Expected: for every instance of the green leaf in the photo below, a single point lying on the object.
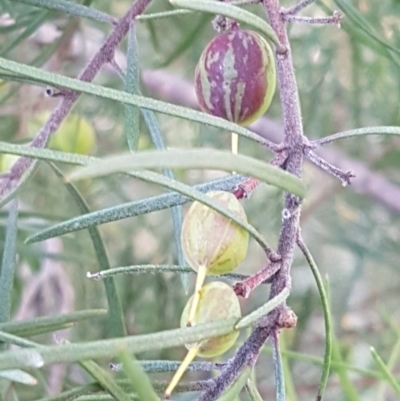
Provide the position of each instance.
(8, 263)
(132, 209)
(385, 371)
(45, 355)
(123, 97)
(327, 317)
(18, 376)
(358, 20)
(283, 178)
(252, 391)
(230, 11)
(132, 116)
(116, 324)
(156, 269)
(29, 30)
(360, 132)
(137, 377)
(195, 159)
(31, 327)
(105, 380)
(70, 7)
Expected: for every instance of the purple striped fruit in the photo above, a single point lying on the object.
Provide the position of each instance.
(236, 77)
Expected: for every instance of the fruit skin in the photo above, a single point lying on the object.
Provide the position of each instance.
(75, 135)
(217, 302)
(211, 240)
(235, 77)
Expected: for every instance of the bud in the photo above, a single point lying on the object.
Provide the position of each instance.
(236, 76)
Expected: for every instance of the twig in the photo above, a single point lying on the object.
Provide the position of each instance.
(343, 176)
(282, 316)
(333, 19)
(298, 7)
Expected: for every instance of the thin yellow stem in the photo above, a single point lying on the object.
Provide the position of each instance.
(181, 370)
(201, 276)
(234, 145)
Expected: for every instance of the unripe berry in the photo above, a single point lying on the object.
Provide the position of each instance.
(217, 301)
(210, 239)
(212, 243)
(236, 77)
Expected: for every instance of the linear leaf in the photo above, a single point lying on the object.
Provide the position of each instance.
(131, 80)
(327, 317)
(30, 327)
(230, 11)
(123, 97)
(385, 371)
(18, 376)
(116, 324)
(390, 130)
(8, 263)
(210, 159)
(138, 378)
(156, 269)
(356, 17)
(49, 354)
(132, 209)
(105, 380)
(72, 8)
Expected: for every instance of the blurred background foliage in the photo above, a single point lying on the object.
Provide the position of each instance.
(347, 79)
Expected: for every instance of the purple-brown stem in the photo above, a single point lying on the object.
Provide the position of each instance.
(294, 141)
(298, 7)
(104, 55)
(333, 19)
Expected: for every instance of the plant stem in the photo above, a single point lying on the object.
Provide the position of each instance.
(282, 316)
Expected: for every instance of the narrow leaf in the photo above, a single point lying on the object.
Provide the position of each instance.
(359, 132)
(8, 263)
(18, 376)
(385, 371)
(123, 97)
(194, 159)
(252, 391)
(152, 269)
(327, 317)
(34, 326)
(230, 11)
(132, 209)
(71, 8)
(137, 377)
(196, 195)
(49, 354)
(280, 394)
(132, 116)
(105, 380)
(116, 324)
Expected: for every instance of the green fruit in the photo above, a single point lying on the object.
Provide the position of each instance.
(235, 77)
(75, 135)
(217, 302)
(211, 240)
